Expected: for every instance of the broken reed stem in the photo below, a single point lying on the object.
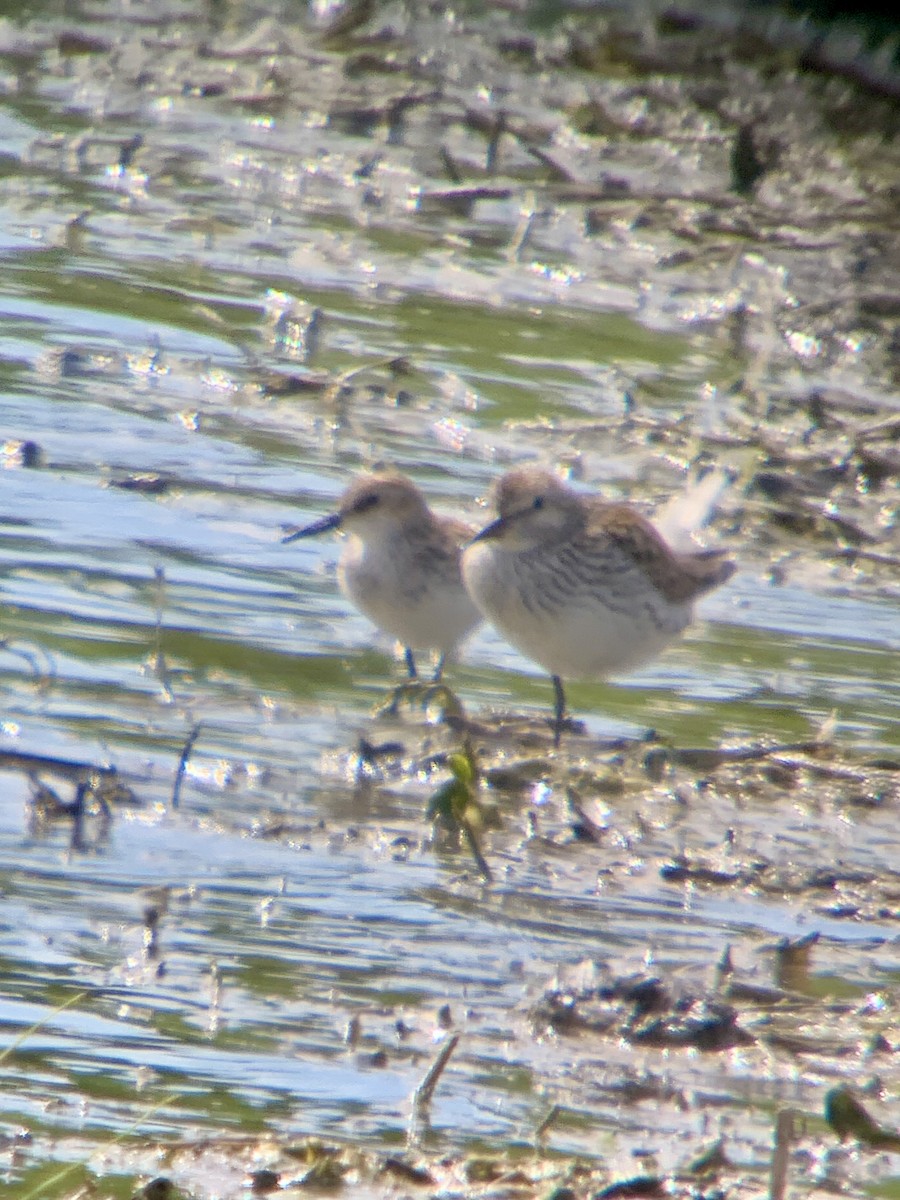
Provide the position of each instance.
(425, 1091)
(523, 230)
(183, 762)
(548, 1120)
(472, 842)
(781, 1153)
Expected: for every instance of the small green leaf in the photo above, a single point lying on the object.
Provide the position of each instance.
(441, 802)
(463, 765)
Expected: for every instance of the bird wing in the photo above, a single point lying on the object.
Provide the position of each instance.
(679, 577)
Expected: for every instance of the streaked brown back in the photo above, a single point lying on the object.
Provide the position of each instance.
(679, 577)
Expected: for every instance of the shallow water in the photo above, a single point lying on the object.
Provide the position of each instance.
(132, 342)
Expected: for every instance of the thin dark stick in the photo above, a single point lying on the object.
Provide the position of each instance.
(781, 1153)
(472, 842)
(77, 810)
(560, 709)
(547, 1122)
(64, 768)
(423, 1094)
(183, 762)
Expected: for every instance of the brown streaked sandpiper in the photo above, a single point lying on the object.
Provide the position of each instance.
(582, 586)
(401, 564)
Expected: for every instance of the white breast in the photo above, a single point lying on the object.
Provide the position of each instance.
(581, 637)
(422, 612)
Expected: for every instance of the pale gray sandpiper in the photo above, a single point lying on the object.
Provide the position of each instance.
(582, 586)
(401, 565)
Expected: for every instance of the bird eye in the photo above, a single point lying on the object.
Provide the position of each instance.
(538, 502)
(369, 500)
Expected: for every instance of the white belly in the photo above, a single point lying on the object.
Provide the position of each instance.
(577, 639)
(421, 614)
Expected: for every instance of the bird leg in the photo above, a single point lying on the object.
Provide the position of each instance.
(410, 690)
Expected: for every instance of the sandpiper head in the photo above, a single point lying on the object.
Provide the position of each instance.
(382, 500)
(533, 507)
(372, 504)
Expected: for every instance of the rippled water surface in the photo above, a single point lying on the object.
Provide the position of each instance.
(219, 950)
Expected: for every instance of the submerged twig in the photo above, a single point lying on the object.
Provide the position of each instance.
(27, 656)
(704, 759)
(50, 764)
(397, 365)
(852, 553)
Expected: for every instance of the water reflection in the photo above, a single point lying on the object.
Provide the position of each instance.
(135, 345)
